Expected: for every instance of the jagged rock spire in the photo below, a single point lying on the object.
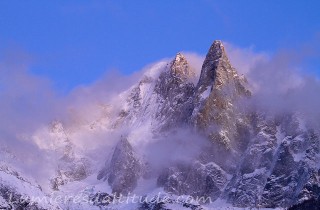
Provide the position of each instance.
(218, 89)
(124, 169)
(180, 67)
(175, 91)
(216, 64)
(216, 51)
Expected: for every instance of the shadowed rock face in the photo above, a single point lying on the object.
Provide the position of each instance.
(276, 170)
(215, 68)
(175, 92)
(165, 101)
(217, 72)
(216, 115)
(312, 204)
(254, 159)
(123, 170)
(218, 93)
(196, 179)
(219, 112)
(211, 107)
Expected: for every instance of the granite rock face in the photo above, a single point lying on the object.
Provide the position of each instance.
(276, 170)
(164, 99)
(247, 156)
(255, 159)
(219, 91)
(124, 169)
(175, 93)
(196, 180)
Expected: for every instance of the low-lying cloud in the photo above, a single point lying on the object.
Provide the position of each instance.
(279, 82)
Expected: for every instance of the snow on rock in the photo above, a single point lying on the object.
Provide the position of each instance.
(124, 170)
(196, 180)
(251, 158)
(19, 192)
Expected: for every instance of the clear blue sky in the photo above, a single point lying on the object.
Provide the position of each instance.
(75, 42)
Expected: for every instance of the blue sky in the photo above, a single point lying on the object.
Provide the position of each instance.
(76, 42)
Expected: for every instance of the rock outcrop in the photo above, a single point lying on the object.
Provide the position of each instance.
(247, 156)
(70, 167)
(123, 170)
(219, 91)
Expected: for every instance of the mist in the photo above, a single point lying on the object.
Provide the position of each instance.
(280, 82)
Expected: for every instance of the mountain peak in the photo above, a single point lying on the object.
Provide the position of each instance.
(180, 67)
(179, 57)
(123, 170)
(219, 87)
(216, 63)
(216, 50)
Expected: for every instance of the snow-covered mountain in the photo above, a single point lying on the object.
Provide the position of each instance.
(172, 137)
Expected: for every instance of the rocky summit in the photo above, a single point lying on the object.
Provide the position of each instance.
(172, 135)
